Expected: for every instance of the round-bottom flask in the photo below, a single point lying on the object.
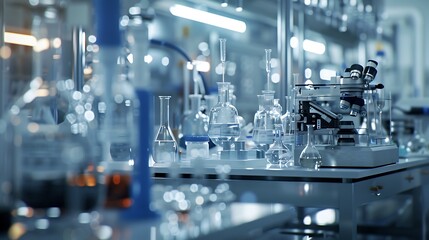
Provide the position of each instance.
(310, 156)
(223, 122)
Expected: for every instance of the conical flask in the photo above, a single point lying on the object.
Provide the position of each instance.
(310, 156)
(223, 120)
(165, 145)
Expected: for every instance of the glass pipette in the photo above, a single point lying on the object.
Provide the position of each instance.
(223, 56)
(268, 66)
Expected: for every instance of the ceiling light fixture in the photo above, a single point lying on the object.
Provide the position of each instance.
(208, 18)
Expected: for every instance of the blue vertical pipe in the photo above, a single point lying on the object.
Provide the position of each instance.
(108, 35)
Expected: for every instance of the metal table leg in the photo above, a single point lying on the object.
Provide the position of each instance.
(347, 212)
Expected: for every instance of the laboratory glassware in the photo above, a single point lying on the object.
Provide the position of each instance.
(417, 143)
(310, 156)
(223, 122)
(264, 120)
(379, 103)
(55, 159)
(222, 43)
(268, 66)
(288, 123)
(278, 153)
(233, 100)
(195, 123)
(277, 107)
(165, 145)
(195, 130)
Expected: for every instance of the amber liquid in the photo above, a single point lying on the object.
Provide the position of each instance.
(118, 193)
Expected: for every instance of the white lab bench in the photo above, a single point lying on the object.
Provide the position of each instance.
(344, 189)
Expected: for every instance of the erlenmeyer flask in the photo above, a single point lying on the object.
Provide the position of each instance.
(165, 145)
(278, 153)
(223, 120)
(310, 156)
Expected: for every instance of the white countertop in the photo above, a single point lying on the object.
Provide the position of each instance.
(259, 168)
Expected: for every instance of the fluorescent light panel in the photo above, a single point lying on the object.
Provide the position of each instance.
(20, 39)
(208, 18)
(309, 45)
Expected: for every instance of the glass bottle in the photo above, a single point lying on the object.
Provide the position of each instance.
(278, 153)
(194, 130)
(165, 145)
(195, 123)
(223, 122)
(310, 156)
(264, 121)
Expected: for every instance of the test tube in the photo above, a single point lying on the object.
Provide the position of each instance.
(223, 56)
(268, 66)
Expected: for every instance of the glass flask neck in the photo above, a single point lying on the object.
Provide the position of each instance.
(223, 92)
(288, 104)
(164, 110)
(278, 129)
(261, 99)
(195, 102)
(310, 135)
(268, 98)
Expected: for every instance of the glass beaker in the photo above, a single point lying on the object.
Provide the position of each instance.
(165, 145)
(223, 121)
(278, 153)
(310, 156)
